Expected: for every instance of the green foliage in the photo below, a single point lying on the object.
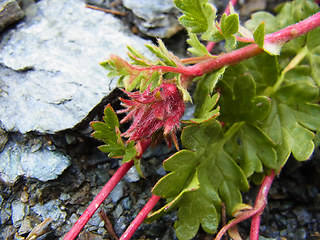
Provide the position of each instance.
(197, 48)
(204, 98)
(198, 15)
(288, 13)
(108, 131)
(195, 166)
(267, 105)
(135, 75)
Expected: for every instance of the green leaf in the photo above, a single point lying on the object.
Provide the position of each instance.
(230, 43)
(198, 15)
(271, 24)
(130, 75)
(239, 102)
(167, 58)
(204, 163)
(259, 35)
(108, 132)
(204, 98)
(254, 150)
(197, 48)
(229, 24)
(312, 43)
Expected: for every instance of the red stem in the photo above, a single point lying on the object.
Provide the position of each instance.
(227, 10)
(95, 204)
(255, 213)
(103, 194)
(261, 203)
(139, 219)
(236, 56)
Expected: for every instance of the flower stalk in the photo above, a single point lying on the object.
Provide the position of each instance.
(139, 219)
(255, 213)
(103, 194)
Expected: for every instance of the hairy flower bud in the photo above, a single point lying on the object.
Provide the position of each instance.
(154, 111)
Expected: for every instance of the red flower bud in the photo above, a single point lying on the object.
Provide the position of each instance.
(153, 111)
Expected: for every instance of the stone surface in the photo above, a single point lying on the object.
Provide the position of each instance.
(19, 160)
(10, 12)
(51, 209)
(117, 192)
(18, 212)
(49, 65)
(157, 18)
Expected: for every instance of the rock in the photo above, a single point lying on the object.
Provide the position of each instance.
(25, 226)
(132, 175)
(118, 211)
(117, 192)
(51, 210)
(18, 212)
(3, 139)
(127, 203)
(19, 160)
(303, 216)
(49, 65)
(5, 213)
(120, 225)
(10, 12)
(156, 18)
(8, 232)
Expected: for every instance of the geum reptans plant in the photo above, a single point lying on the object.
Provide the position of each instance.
(255, 105)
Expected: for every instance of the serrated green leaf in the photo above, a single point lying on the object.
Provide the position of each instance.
(130, 153)
(230, 43)
(198, 15)
(207, 164)
(258, 34)
(197, 48)
(108, 132)
(229, 24)
(271, 24)
(256, 148)
(204, 98)
(110, 117)
(240, 103)
(166, 57)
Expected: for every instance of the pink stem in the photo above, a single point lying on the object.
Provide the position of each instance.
(227, 10)
(139, 219)
(95, 204)
(236, 56)
(255, 213)
(261, 203)
(105, 191)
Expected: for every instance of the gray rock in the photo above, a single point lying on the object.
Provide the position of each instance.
(10, 12)
(118, 211)
(132, 175)
(18, 212)
(117, 192)
(303, 216)
(157, 18)
(3, 139)
(49, 65)
(120, 225)
(94, 221)
(127, 203)
(5, 213)
(19, 160)
(25, 227)
(51, 210)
